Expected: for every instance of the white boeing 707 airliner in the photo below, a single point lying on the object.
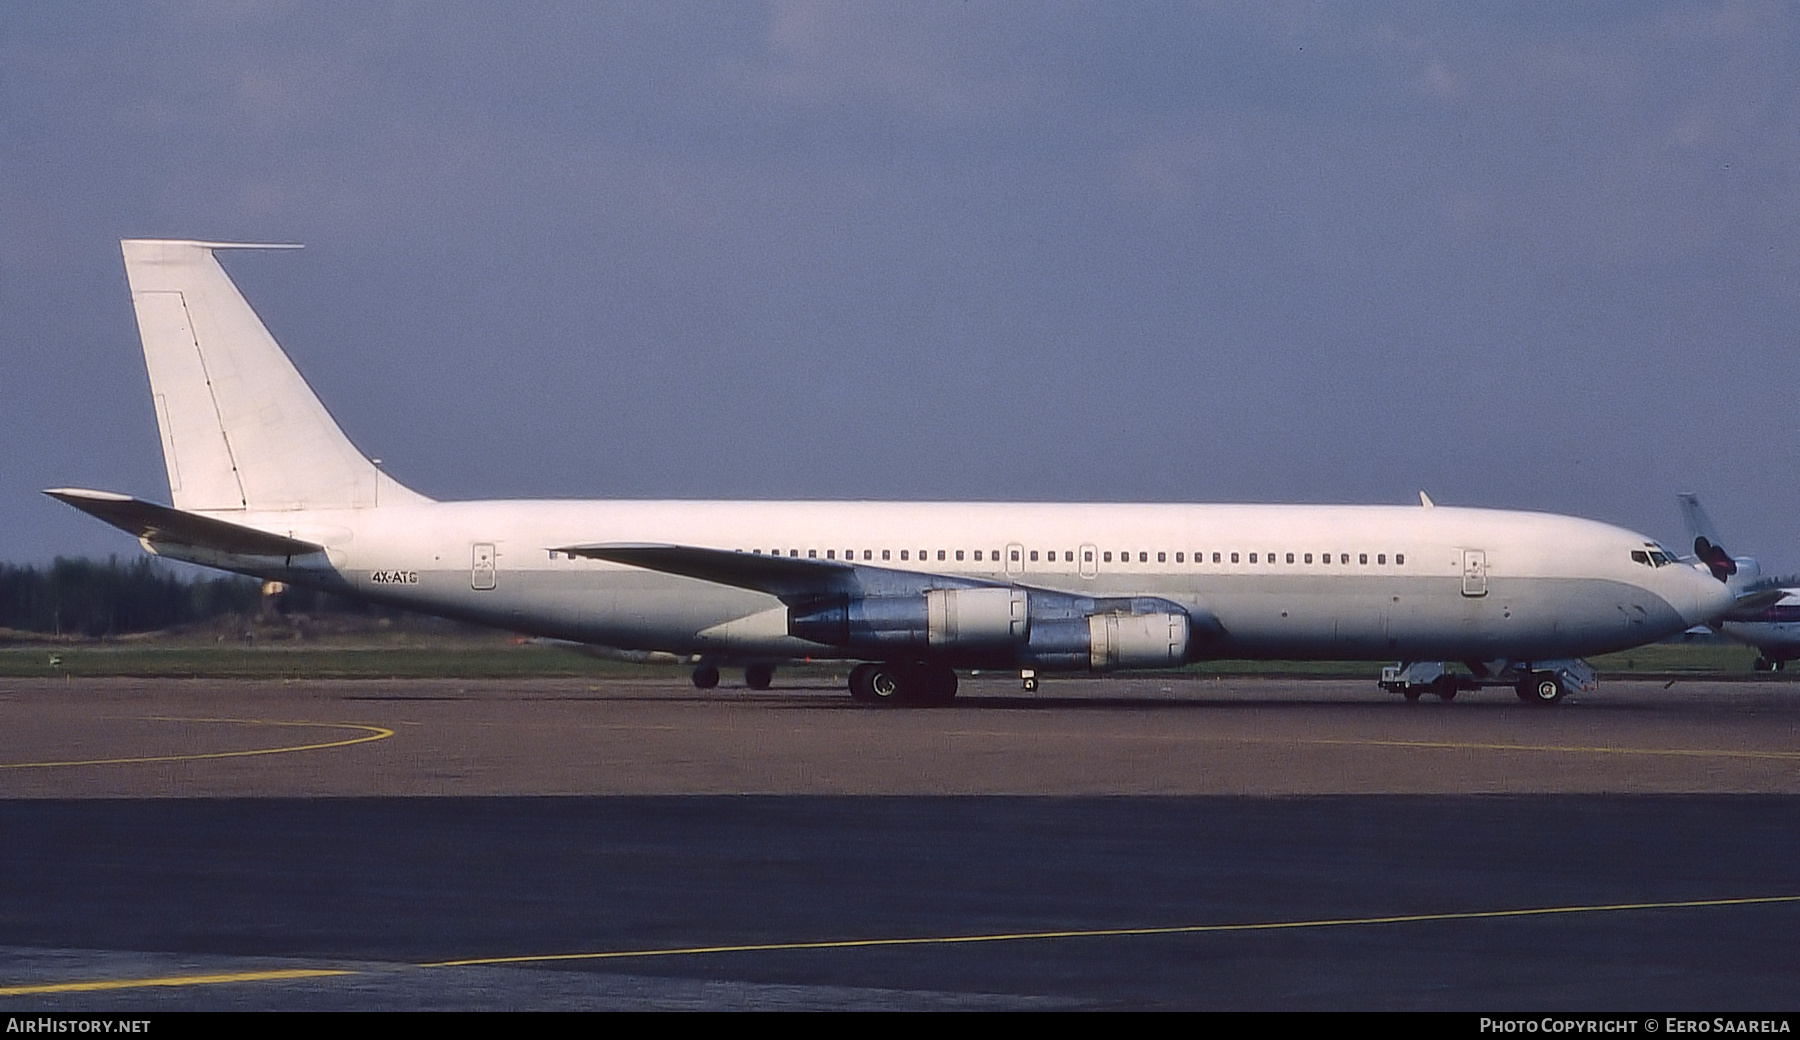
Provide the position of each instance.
(264, 483)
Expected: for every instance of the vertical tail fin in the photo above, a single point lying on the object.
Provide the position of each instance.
(1737, 572)
(240, 427)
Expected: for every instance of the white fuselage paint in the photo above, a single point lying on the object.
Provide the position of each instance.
(1777, 640)
(1552, 586)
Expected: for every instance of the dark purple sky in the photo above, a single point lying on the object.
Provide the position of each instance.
(1536, 255)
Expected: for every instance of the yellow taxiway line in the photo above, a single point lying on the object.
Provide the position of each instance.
(170, 980)
(370, 733)
(1096, 933)
(941, 940)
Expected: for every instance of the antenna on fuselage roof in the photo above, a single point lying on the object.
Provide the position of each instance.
(1425, 500)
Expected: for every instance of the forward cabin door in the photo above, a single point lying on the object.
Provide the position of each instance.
(481, 566)
(1474, 572)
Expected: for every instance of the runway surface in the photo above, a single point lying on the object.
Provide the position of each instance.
(1110, 843)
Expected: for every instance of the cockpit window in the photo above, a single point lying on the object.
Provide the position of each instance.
(1642, 557)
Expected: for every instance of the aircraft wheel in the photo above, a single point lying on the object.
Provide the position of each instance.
(759, 676)
(877, 683)
(706, 676)
(931, 685)
(859, 682)
(1540, 688)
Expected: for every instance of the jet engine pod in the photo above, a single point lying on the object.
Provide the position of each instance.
(1136, 641)
(941, 619)
(977, 617)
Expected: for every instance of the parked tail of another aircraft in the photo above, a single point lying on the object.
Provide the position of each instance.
(1738, 573)
(1767, 616)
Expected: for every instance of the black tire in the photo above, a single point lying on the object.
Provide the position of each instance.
(1541, 688)
(878, 684)
(1412, 694)
(759, 676)
(1762, 664)
(931, 685)
(706, 677)
(859, 683)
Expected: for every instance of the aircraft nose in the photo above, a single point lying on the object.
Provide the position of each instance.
(1711, 598)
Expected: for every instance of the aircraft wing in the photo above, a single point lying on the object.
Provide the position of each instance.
(154, 523)
(790, 579)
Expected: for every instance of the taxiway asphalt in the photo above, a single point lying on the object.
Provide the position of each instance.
(1135, 842)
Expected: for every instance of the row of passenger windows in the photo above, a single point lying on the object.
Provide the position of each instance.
(1068, 556)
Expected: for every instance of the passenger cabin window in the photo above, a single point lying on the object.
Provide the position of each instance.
(1290, 557)
(1179, 557)
(1234, 557)
(1381, 558)
(1362, 557)
(1399, 559)
(884, 554)
(1107, 557)
(1309, 557)
(903, 554)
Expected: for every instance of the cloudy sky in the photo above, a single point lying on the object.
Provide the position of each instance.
(1539, 256)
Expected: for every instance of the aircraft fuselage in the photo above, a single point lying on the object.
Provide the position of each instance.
(1261, 581)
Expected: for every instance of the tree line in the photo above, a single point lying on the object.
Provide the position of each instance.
(90, 598)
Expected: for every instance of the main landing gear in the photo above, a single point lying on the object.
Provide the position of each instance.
(756, 676)
(910, 683)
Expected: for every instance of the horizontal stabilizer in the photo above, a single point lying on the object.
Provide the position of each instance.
(788, 578)
(154, 523)
(1750, 605)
